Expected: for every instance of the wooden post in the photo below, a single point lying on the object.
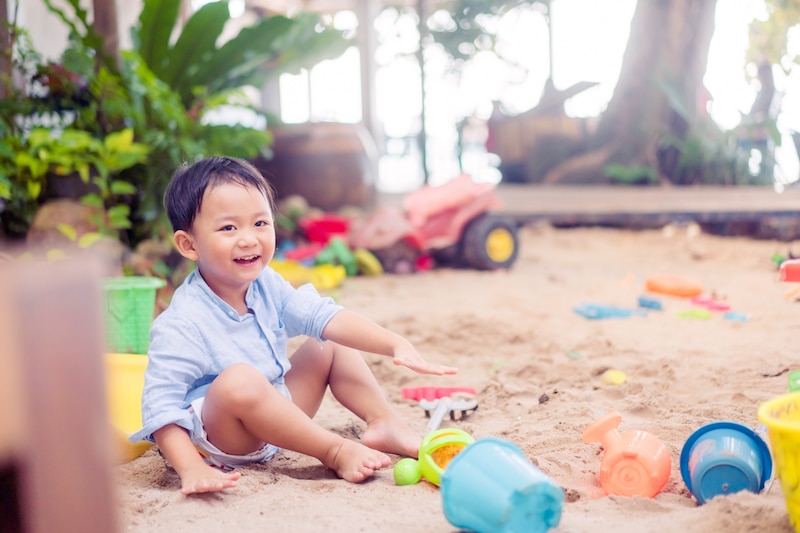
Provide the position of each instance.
(54, 428)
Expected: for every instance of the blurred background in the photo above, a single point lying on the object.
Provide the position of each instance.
(402, 93)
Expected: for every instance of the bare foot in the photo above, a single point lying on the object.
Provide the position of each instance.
(392, 435)
(354, 462)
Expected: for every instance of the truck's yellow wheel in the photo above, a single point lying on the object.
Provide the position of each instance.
(490, 242)
(500, 245)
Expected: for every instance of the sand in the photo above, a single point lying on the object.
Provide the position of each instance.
(536, 365)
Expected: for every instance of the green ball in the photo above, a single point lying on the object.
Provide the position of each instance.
(407, 472)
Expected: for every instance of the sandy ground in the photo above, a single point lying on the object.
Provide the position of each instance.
(536, 365)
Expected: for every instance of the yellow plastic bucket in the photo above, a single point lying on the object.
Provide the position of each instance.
(781, 416)
(124, 385)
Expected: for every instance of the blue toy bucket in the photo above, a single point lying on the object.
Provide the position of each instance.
(490, 486)
(723, 458)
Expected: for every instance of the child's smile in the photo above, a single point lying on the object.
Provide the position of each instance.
(233, 239)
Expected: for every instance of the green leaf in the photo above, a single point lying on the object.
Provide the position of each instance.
(68, 231)
(39, 137)
(122, 187)
(249, 49)
(198, 39)
(34, 189)
(92, 200)
(89, 238)
(151, 36)
(119, 141)
(118, 217)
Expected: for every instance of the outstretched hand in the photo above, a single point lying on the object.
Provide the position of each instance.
(410, 358)
(206, 478)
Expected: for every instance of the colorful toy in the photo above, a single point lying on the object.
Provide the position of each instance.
(710, 303)
(673, 285)
(492, 487)
(431, 393)
(597, 311)
(794, 381)
(337, 252)
(407, 471)
(650, 303)
(452, 222)
(614, 376)
(722, 458)
(323, 277)
(437, 409)
(439, 401)
(635, 463)
(781, 416)
(436, 451)
(367, 263)
(790, 270)
(701, 314)
(322, 228)
(124, 385)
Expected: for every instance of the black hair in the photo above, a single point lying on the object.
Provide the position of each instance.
(184, 194)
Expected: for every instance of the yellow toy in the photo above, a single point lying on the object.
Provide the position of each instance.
(124, 384)
(436, 451)
(322, 277)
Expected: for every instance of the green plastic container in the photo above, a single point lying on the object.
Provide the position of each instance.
(129, 312)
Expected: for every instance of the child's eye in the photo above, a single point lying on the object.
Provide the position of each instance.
(229, 227)
(262, 223)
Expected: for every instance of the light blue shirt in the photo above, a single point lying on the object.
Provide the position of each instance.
(199, 335)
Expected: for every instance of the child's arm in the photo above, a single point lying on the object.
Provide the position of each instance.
(195, 474)
(357, 331)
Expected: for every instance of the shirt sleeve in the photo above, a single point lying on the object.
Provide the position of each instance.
(175, 362)
(305, 311)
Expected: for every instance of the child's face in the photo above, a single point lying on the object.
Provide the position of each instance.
(232, 238)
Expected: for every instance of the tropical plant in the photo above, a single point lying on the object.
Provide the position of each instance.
(164, 91)
(45, 154)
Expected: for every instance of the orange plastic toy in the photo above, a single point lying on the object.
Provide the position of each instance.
(673, 285)
(635, 463)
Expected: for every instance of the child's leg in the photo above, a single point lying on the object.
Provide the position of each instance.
(316, 365)
(242, 410)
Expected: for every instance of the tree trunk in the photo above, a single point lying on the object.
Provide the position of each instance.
(5, 49)
(105, 24)
(660, 90)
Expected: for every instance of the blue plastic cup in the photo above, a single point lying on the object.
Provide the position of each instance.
(723, 458)
(490, 486)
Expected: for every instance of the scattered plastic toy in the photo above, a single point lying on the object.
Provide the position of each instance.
(322, 277)
(492, 487)
(431, 393)
(436, 451)
(722, 458)
(635, 463)
(440, 401)
(596, 311)
(673, 285)
(437, 409)
(701, 314)
(790, 270)
(650, 303)
(710, 303)
(614, 376)
(734, 316)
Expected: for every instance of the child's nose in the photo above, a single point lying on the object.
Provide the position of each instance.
(247, 238)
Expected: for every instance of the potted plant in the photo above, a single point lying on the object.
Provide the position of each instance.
(168, 86)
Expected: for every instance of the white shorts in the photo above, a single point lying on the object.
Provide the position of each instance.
(213, 455)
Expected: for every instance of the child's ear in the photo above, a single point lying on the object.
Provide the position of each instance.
(185, 245)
